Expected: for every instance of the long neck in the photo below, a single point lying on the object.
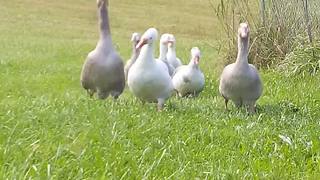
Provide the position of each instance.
(172, 51)
(135, 52)
(146, 54)
(243, 47)
(163, 51)
(103, 20)
(171, 54)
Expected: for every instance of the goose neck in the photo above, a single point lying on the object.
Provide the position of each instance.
(104, 25)
(172, 52)
(163, 51)
(243, 47)
(135, 51)
(146, 54)
(192, 64)
(105, 43)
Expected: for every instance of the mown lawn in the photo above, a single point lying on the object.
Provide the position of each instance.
(50, 128)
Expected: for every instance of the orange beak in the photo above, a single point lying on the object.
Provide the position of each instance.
(141, 43)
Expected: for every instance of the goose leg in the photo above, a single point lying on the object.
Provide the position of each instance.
(226, 103)
(251, 108)
(90, 92)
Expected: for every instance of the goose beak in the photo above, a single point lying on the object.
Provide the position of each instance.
(141, 43)
(136, 42)
(170, 43)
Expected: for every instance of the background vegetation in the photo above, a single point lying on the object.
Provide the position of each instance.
(280, 32)
(50, 129)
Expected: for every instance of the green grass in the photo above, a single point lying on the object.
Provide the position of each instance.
(50, 129)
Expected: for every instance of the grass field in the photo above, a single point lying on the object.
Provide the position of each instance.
(50, 128)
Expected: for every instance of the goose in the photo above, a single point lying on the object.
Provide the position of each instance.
(135, 38)
(171, 55)
(148, 79)
(103, 70)
(188, 79)
(240, 82)
(164, 40)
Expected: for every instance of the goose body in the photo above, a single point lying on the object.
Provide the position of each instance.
(240, 81)
(148, 79)
(188, 79)
(135, 38)
(102, 71)
(171, 55)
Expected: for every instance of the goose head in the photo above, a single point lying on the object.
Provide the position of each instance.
(135, 38)
(195, 56)
(244, 30)
(164, 39)
(171, 40)
(148, 37)
(102, 3)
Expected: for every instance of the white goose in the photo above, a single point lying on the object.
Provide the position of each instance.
(188, 79)
(102, 71)
(149, 79)
(164, 40)
(240, 81)
(171, 55)
(135, 38)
